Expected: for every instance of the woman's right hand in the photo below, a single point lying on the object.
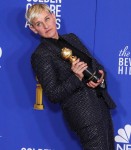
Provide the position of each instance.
(78, 67)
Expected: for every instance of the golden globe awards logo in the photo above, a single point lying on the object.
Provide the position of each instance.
(55, 6)
(36, 149)
(123, 138)
(124, 62)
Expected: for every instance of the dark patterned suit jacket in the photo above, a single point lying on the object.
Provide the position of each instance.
(79, 103)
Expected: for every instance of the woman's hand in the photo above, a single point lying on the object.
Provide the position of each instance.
(78, 67)
(93, 84)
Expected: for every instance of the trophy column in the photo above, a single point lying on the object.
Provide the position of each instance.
(39, 93)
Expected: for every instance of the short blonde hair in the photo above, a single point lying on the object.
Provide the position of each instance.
(34, 11)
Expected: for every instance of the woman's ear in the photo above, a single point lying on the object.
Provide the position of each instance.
(33, 29)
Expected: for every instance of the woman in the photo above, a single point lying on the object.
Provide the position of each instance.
(85, 104)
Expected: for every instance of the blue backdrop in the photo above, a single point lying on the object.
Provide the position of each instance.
(105, 28)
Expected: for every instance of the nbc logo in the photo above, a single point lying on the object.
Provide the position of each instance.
(123, 138)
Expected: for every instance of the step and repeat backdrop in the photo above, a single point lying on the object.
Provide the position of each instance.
(105, 28)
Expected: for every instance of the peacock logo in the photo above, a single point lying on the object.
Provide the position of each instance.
(123, 138)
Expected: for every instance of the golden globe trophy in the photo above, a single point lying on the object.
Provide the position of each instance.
(89, 74)
(39, 93)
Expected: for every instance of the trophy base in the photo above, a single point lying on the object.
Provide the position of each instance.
(91, 76)
(38, 106)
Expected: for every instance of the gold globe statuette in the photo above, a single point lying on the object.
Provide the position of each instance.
(66, 53)
(39, 94)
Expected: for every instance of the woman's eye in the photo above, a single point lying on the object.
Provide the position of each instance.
(47, 19)
(38, 24)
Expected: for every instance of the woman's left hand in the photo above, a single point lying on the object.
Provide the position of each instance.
(93, 84)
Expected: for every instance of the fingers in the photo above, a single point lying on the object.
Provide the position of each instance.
(78, 67)
(102, 73)
(92, 84)
(102, 76)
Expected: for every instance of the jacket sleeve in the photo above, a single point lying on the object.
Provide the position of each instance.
(48, 77)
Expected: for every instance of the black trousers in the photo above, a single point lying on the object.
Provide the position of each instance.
(98, 136)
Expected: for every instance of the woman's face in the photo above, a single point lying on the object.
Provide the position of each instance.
(45, 25)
